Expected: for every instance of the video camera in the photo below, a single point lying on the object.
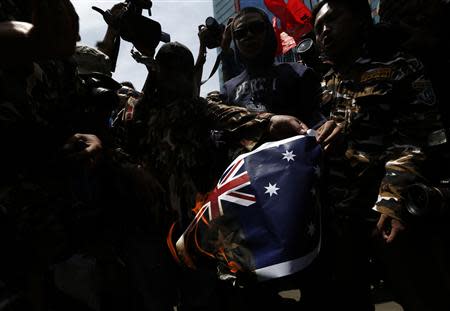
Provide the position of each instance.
(308, 54)
(132, 26)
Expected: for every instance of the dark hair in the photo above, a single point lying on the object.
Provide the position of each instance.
(359, 8)
(177, 54)
(270, 45)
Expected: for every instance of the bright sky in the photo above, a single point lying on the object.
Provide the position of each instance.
(179, 18)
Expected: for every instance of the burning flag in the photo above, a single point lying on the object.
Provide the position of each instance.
(263, 217)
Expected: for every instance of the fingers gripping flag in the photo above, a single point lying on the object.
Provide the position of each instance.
(263, 216)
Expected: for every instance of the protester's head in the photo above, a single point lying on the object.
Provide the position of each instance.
(254, 36)
(91, 60)
(421, 25)
(341, 26)
(128, 84)
(175, 70)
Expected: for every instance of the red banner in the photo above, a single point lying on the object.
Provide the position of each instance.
(285, 42)
(295, 21)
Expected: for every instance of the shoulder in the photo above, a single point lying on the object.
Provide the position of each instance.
(400, 64)
(292, 68)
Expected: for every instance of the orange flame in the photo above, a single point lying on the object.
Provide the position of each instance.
(169, 241)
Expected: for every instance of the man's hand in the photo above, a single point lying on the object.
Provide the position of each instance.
(117, 11)
(227, 36)
(389, 228)
(84, 148)
(329, 134)
(202, 35)
(282, 126)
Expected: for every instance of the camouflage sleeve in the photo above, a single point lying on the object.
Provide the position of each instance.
(246, 127)
(416, 127)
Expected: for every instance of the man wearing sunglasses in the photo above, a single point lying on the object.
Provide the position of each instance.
(281, 88)
(287, 88)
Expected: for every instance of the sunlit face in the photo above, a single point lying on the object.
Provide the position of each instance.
(335, 30)
(249, 32)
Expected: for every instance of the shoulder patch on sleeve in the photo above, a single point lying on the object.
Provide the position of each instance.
(376, 74)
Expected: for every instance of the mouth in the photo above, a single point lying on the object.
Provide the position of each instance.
(327, 42)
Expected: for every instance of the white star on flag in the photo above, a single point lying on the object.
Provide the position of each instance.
(288, 155)
(271, 189)
(311, 229)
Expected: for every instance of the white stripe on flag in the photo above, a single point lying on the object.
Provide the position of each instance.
(288, 267)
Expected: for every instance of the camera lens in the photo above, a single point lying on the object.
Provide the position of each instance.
(424, 200)
(304, 45)
(418, 200)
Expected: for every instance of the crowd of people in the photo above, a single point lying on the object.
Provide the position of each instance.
(96, 176)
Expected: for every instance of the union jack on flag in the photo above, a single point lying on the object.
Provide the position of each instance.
(263, 216)
(234, 179)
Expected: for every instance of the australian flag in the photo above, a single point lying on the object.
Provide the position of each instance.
(263, 217)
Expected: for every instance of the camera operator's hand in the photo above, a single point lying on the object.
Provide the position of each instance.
(111, 41)
(116, 12)
(227, 35)
(281, 126)
(202, 36)
(389, 228)
(83, 148)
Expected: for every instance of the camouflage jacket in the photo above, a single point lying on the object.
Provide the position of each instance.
(390, 120)
(36, 118)
(173, 143)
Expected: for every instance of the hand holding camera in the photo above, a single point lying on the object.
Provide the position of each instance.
(211, 32)
(126, 18)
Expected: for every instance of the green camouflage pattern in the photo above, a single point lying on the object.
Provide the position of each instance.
(388, 112)
(246, 128)
(173, 143)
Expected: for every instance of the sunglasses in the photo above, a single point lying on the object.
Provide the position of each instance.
(256, 28)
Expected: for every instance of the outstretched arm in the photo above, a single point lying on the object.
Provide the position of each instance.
(251, 128)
